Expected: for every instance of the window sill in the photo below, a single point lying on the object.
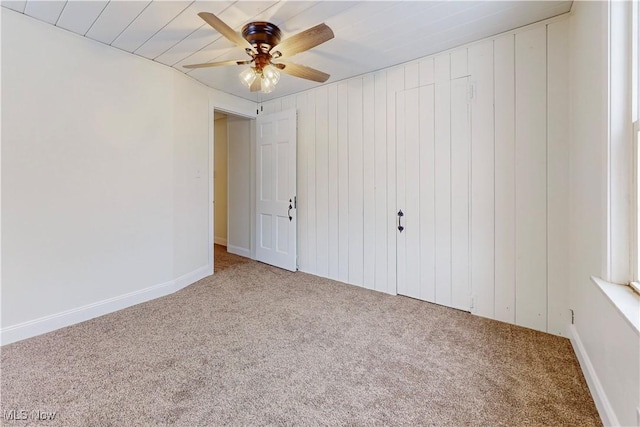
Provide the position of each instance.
(623, 298)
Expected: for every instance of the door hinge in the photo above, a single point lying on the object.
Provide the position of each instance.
(473, 302)
(573, 316)
(295, 202)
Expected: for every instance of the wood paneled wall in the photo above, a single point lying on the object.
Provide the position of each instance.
(518, 194)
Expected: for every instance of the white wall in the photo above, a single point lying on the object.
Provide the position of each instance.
(607, 344)
(105, 196)
(220, 181)
(519, 182)
(241, 177)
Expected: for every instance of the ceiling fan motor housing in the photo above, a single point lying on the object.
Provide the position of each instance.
(262, 35)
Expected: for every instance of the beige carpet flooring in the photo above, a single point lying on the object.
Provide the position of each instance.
(256, 345)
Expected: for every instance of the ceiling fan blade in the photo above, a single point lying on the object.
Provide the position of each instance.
(216, 64)
(304, 40)
(224, 29)
(256, 86)
(303, 72)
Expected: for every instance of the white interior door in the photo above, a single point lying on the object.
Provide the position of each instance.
(433, 172)
(276, 222)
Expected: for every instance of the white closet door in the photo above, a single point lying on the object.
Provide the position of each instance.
(421, 187)
(415, 193)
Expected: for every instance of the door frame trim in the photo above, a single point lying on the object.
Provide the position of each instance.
(235, 110)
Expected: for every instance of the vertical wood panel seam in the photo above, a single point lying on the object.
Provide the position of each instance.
(375, 223)
(348, 184)
(396, 109)
(493, 75)
(312, 154)
(325, 148)
(608, 256)
(315, 177)
(362, 172)
(469, 101)
(386, 174)
(435, 263)
(546, 176)
(375, 205)
(419, 195)
(375, 193)
(495, 192)
(515, 183)
(395, 163)
(469, 188)
(338, 169)
(450, 189)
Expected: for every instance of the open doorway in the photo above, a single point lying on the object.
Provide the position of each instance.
(232, 183)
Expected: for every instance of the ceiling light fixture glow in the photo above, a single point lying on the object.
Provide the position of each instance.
(248, 76)
(270, 78)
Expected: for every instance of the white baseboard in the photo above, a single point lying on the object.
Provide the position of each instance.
(220, 241)
(239, 251)
(70, 317)
(603, 406)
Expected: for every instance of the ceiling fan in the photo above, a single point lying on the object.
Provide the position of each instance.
(262, 42)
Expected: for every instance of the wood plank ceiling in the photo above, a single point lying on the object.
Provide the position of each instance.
(369, 35)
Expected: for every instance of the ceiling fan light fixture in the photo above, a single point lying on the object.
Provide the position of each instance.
(269, 78)
(259, 39)
(248, 76)
(267, 85)
(270, 72)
